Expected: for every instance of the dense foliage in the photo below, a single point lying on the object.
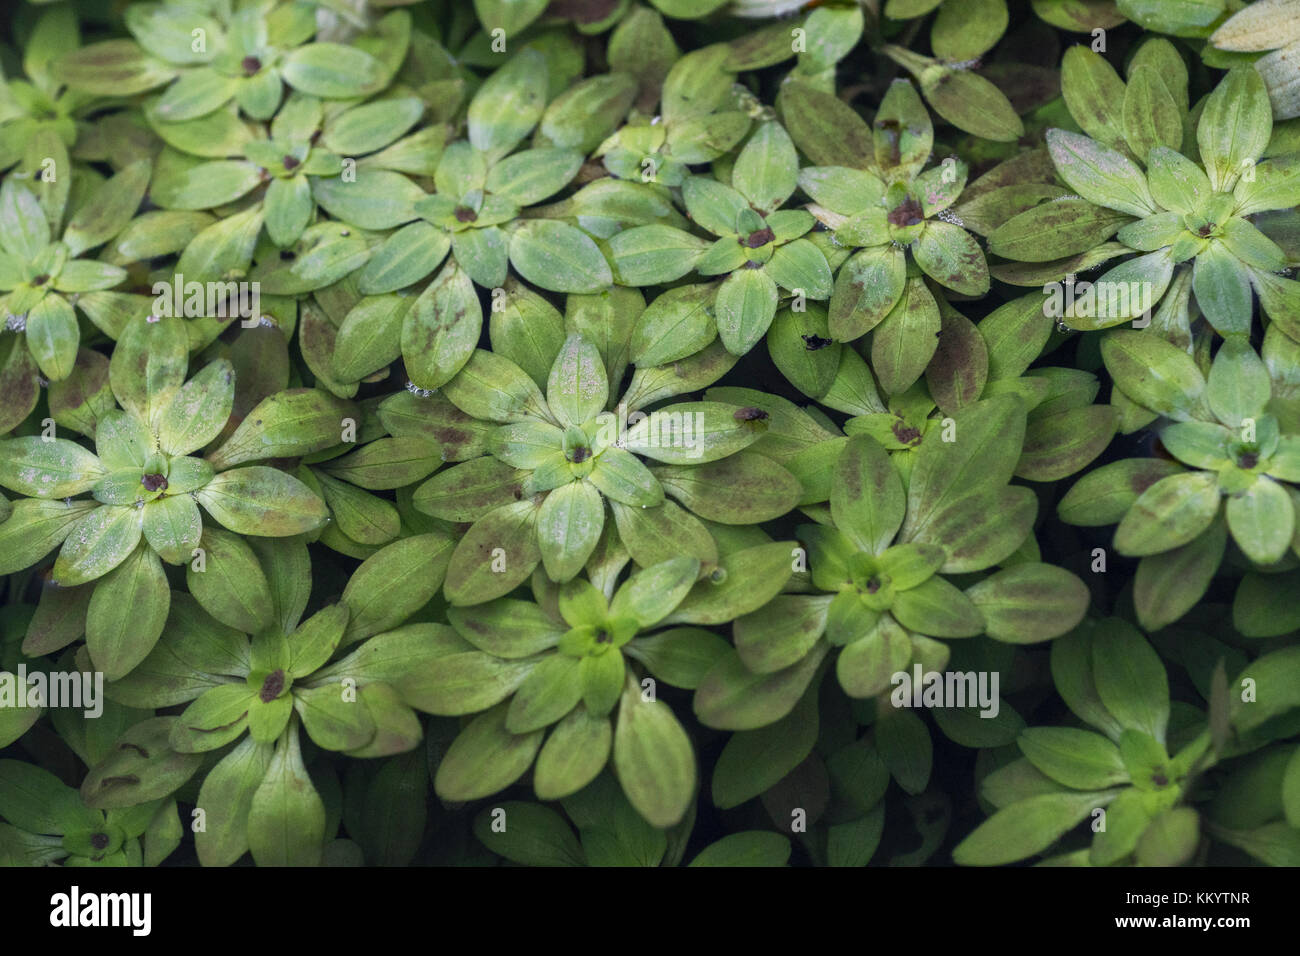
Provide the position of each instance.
(638, 432)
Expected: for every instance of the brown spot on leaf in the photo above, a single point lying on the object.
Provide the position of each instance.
(582, 11)
(465, 214)
(906, 433)
(749, 414)
(759, 237)
(906, 213)
(153, 482)
(893, 136)
(290, 163)
(272, 687)
(250, 65)
(815, 343)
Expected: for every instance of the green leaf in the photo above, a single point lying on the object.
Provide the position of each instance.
(867, 287)
(109, 208)
(52, 336)
(332, 70)
(905, 341)
(388, 463)
(1222, 286)
(528, 834)
(1130, 679)
(96, 544)
(681, 656)
(508, 105)
(1027, 827)
(754, 761)
(1169, 584)
(766, 171)
(395, 582)
(374, 199)
(127, 613)
(1154, 373)
(232, 586)
(1234, 127)
(867, 499)
(1054, 230)
(53, 468)
(286, 817)
(331, 719)
(227, 794)
(970, 102)
(35, 800)
(1151, 113)
(902, 133)
(989, 434)
(744, 488)
(257, 499)
(904, 745)
(1262, 520)
(653, 758)
(575, 752)
(141, 766)
(1100, 174)
(1170, 513)
(485, 758)
(936, 607)
(558, 257)
(731, 697)
(569, 523)
(1238, 386)
(286, 425)
(1261, 607)
(35, 528)
(148, 366)
(749, 848)
(112, 68)
(505, 538)
(577, 388)
(825, 128)
(745, 307)
(1031, 602)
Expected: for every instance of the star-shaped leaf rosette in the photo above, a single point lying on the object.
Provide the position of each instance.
(873, 192)
(1139, 758)
(299, 160)
(35, 100)
(209, 55)
(552, 464)
(575, 665)
(47, 823)
(253, 673)
(1234, 474)
(145, 486)
(1196, 218)
(41, 276)
(880, 564)
(759, 249)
